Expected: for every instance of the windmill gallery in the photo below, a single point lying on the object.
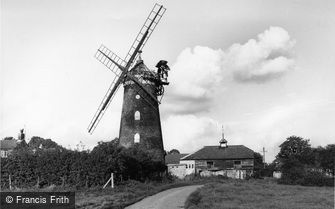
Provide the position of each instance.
(143, 91)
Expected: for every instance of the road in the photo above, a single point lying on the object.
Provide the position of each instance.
(168, 199)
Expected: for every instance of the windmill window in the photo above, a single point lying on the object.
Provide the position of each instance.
(137, 115)
(137, 96)
(137, 138)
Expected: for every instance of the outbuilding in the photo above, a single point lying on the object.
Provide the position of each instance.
(233, 161)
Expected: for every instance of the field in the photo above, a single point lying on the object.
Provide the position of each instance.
(259, 194)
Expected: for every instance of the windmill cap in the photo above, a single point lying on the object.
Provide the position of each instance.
(161, 62)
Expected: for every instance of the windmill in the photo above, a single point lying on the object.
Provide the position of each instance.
(143, 91)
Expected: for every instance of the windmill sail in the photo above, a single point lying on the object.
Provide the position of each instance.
(104, 104)
(120, 67)
(149, 25)
(105, 56)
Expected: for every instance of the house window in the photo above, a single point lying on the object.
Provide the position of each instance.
(186, 166)
(210, 164)
(237, 162)
(137, 138)
(137, 115)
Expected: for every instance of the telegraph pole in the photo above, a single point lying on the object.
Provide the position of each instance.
(264, 151)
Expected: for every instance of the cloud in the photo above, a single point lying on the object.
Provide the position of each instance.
(263, 59)
(196, 71)
(199, 72)
(189, 132)
(193, 78)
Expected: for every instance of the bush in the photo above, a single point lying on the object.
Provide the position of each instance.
(45, 167)
(309, 178)
(315, 178)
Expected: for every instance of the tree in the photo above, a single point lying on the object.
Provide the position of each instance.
(294, 156)
(258, 165)
(8, 138)
(137, 164)
(174, 151)
(326, 156)
(105, 159)
(21, 145)
(298, 148)
(269, 169)
(36, 142)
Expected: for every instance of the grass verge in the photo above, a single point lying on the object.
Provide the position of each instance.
(259, 194)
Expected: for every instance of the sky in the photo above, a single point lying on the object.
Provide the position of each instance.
(264, 70)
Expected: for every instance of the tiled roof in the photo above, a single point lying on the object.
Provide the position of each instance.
(8, 144)
(173, 158)
(216, 153)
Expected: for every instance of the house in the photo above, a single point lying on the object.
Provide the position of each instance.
(173, 165)
(7, 146)
(233, 161)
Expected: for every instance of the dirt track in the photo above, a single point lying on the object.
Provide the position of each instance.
(169, 199)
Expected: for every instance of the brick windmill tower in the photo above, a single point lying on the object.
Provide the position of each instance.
(143, 91)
